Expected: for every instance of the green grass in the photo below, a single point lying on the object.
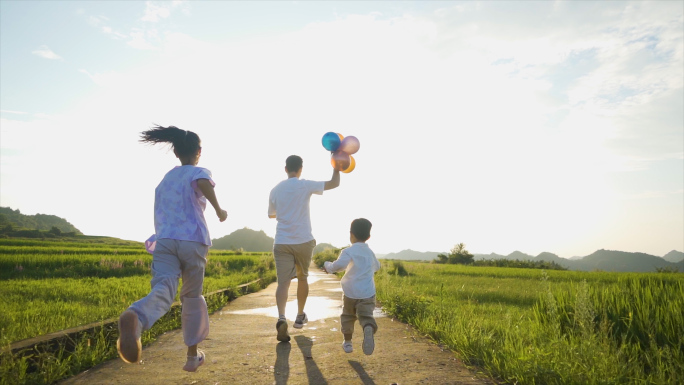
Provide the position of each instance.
(43, 293)
(49, 285)
(546, 327)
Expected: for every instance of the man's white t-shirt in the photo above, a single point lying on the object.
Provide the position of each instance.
(289, 202)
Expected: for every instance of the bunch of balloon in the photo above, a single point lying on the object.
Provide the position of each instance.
(342, 149)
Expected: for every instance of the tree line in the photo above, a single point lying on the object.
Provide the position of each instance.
(460, 255)
(15, 224)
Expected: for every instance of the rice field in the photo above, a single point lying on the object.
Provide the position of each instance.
(48, 286)
(521, 326)
(525, 326)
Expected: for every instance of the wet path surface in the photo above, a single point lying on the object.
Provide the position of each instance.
(242, 349)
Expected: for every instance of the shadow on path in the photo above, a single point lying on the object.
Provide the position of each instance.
(281, 369)
(363, 376)
(312, 371)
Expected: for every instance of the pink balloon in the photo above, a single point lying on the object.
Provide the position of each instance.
(340, 160)
(350, 145)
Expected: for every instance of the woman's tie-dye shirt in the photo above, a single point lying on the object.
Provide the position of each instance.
(179, 207)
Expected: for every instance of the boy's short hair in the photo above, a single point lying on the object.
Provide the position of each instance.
(293, 163)
(361, 228)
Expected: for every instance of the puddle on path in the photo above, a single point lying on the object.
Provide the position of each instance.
(315, 276)
(317, 308)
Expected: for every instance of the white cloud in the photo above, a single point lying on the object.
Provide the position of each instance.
(138, 38)
(45, 52)
(95, 21)
(13, 112)
(105, 79)
(154, 12)
(143, 39)
(114, 34)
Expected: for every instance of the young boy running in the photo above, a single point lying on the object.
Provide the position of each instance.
(358, 285)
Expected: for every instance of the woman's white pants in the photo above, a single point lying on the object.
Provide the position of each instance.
(173, 259)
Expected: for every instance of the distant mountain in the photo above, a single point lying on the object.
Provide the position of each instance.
(605, 260)
(322, 246)
(674, 256)
(478, 257)
(611, 260)
(546, 256)
(246, 239)
(549, 257)
(35, 222)
(680, 266)
(412, 255)
(519, 255)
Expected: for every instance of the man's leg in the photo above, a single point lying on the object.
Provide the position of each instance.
(302, 291)
(285, 271)
(281, 295)
(302, 256)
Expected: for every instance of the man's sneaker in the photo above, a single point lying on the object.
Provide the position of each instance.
(347, 346)
(128, 345)
(281, 327)
(300, 321)
(194, 362)
(368, 342)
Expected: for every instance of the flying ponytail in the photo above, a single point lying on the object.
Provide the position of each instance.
(183, 142)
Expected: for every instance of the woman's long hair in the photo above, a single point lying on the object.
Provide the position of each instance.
(185, 143)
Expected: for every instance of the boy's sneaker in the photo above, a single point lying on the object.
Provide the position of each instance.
(347, 346)
(300, 321)
(128, 345)
(194, 362)
(368, 341)
(281, 327)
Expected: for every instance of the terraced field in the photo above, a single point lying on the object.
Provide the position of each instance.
(50, 285)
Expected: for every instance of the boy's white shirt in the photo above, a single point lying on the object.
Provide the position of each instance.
(360, 264)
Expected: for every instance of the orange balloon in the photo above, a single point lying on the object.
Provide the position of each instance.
(340, 135)
(340, 160)
(351, 167)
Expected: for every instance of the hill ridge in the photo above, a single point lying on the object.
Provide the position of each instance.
(44, 222)
(245, 239)
(602, 259)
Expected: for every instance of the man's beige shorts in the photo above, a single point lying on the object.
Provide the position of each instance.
(293, 260)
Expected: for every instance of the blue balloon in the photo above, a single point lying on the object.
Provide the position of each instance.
(331, 141)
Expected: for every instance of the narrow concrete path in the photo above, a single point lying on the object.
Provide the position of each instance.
(242, 349)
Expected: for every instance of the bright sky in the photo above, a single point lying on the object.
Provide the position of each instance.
(531, 126)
